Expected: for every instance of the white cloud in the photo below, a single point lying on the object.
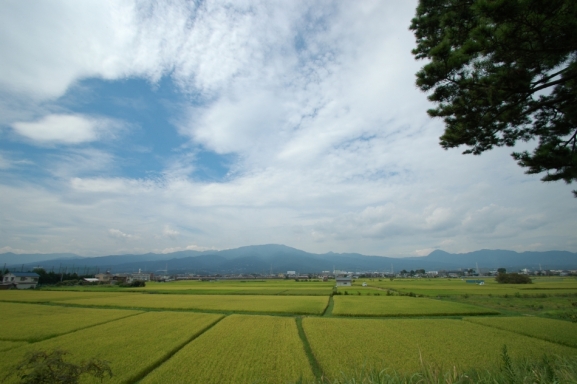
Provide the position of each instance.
(424, 252)
(67, 129)
(204, 45)
(192, 247)
(118, 234)
(85, 39)
(170, 233)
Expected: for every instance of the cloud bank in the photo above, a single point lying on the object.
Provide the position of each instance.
(306, 116)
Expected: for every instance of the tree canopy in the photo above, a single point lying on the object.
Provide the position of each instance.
(501, 71)
(42, 367)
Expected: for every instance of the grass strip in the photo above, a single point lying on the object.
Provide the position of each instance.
(329, 309)
(170, 353)
(315, 366)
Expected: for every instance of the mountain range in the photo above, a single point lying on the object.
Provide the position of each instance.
(280, 259)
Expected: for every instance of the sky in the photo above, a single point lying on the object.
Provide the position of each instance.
(159, 126)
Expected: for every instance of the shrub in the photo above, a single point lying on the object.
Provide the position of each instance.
(512, 278)
(50, 367)
(135, 283)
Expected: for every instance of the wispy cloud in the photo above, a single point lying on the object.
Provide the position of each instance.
(118, 234)
(67, 129)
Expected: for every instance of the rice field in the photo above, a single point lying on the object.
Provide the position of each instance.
(348, 345)
(240, 349)
(221, 303)
(6, 345)
(38, 296)
(457, 286)
(33, 322)
(557, 331)
(153, 335)
(133, 345)
(242, 287)
(401, 306)
(220, 287)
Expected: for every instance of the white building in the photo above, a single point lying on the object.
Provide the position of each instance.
(344, 281)
(142, 276)
(21, 280)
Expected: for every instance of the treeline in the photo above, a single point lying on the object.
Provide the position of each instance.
(52, 277)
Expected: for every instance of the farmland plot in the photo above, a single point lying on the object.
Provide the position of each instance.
(282, 287)
(401, 306)
(34, 296)
(240, 349)
(457, 287)
(256, 303)
(557, 331)
(133, 345)
(397, 344)
(33, 322)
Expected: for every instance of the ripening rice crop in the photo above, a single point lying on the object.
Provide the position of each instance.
(557, 331)
(235, 287)
(133, 345)
(6, 345)
(34, 322)
(401, 306)
(240, 349)
(34, 296)
(248, 303)
(346, 345)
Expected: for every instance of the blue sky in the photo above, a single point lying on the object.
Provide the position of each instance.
(142, 126)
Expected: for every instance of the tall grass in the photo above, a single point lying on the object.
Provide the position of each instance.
(548, 369)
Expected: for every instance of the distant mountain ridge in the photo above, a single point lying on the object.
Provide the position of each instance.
(281, 258)
(10, 257)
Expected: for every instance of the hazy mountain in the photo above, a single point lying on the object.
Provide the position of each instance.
(17, 258)
(502, 258)
(280, 258)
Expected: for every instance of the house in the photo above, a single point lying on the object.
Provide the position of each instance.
(120, 279)
(104, 277)
(344, 281)
(22, 280)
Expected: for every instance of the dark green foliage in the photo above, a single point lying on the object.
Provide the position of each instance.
(65, 279)
(49, 367)
(502, 71)
(512, 278)
(135, 283)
